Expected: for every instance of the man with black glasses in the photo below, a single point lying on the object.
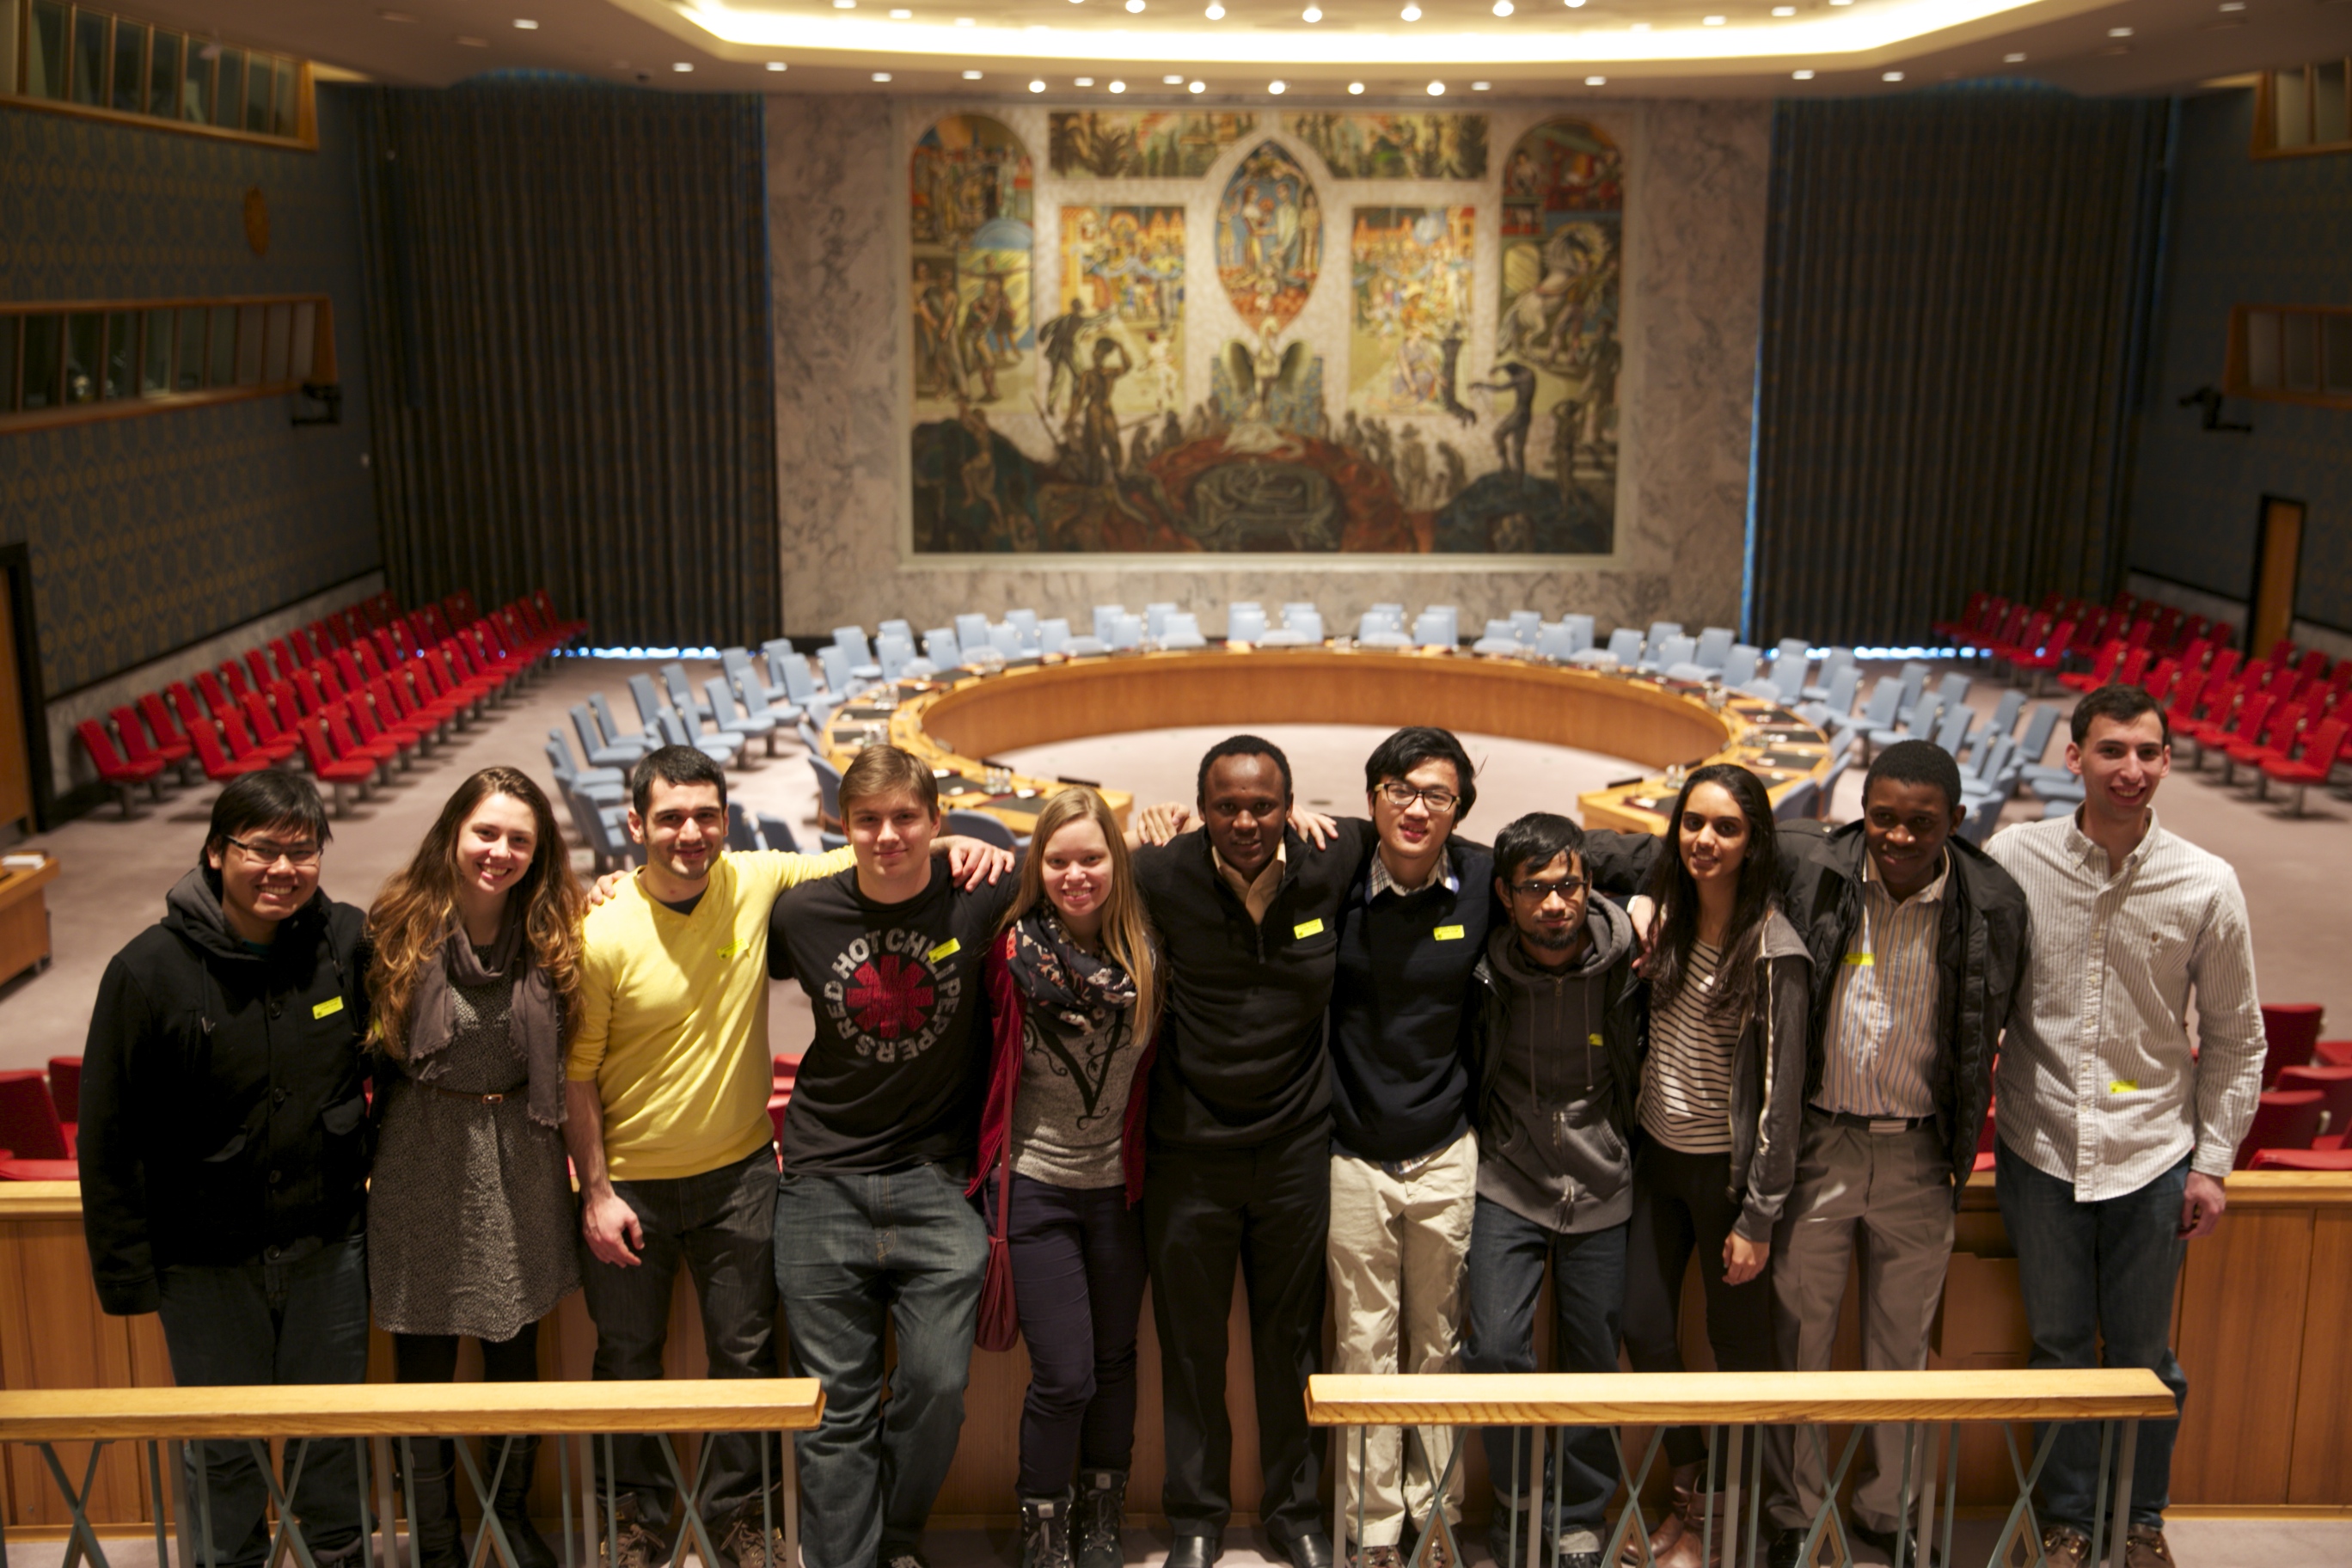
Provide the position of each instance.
(224, 1145)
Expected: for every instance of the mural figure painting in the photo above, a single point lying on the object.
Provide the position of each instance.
(1115, 145)
(1396, 146)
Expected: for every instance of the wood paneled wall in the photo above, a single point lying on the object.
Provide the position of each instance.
(2259, 1325)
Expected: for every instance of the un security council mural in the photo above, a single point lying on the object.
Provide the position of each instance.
(1226, 333)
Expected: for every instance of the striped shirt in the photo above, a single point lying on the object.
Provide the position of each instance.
(1879, 1045)
(2098, 1084)
(1686, 1101)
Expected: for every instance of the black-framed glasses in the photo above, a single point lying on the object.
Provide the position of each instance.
(264, 853)
(1567, 889)
(1402, 794)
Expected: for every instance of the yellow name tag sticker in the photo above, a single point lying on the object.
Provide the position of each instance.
(1447, 934)
(1862, 960)
(1591, 1039)
(732, 948)
(2123, 1086)
(1302, 931)
(947, 949)
(328, 1008)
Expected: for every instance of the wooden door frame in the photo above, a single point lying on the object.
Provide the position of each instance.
(16, 582)
(2262, 553)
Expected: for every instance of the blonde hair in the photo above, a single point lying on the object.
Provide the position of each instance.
(1127, 935)
(410, 919)
(883, 770)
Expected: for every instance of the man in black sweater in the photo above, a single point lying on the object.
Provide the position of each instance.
(1404, 1166)
(1239, 1139)
(225, 1148)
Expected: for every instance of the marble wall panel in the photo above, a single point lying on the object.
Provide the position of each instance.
(1695, 238)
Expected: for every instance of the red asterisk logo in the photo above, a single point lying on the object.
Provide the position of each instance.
(889, 997)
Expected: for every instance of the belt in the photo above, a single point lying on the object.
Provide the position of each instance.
(1882, 1126)
(460, 1094)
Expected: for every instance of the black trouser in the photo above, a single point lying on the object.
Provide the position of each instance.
(1682, 1204)
(1267, 1208)
(433, 1358)
(721, 1224)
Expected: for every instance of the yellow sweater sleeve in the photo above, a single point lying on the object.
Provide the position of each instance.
(587, 1054)
(782, 869)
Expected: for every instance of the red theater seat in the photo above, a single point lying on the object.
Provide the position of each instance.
(2283, 1119)
(29, 1122)
(2301, 1159)
(2291, 1031)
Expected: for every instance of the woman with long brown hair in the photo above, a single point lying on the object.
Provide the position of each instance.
(474, 993)
(1074, 991)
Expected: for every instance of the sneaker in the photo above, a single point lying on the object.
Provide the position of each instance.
(2144, 1547)
(2065, 1548)
(633, 1546)
(1576, 1548)
(742, 1545)
(906, 1558)
(1433, 1551)
(1379, 1557)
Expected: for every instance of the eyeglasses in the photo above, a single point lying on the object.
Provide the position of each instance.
(264, 853)
(1399, 794)
(1567, 889)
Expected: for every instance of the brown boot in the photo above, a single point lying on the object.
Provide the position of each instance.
(1668, 1547)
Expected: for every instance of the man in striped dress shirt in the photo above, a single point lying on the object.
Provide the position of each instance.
(1918, 942)
(2114, 1132)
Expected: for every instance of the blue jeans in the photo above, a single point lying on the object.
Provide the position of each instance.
(1507, 1255)
(854, 1254)
(300, 1316)
(2093, 1273)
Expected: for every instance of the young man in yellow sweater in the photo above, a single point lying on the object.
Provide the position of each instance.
(666, 1117)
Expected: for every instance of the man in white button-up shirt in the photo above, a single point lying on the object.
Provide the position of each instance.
(2115, 1133)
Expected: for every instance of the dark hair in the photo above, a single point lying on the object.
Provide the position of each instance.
(2121, 704)
(1418, 743)
(673, 765)
(1915, 762)
(271, 798)
(878, 769)
(1243, 746)
(1676, 896)
(1535, 841)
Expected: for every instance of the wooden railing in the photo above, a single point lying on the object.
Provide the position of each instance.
(372, 1417)
(1734, 1408)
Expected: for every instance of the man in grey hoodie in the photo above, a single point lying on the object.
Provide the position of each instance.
(1557, 1040)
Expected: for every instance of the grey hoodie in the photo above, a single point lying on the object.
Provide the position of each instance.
(1559, 1065)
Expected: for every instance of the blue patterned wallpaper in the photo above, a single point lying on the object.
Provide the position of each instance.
(2276, 231)
(152, 531)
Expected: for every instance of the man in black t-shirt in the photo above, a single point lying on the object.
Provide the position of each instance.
(871, 1216)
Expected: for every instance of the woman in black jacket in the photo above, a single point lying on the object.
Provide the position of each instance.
(224, 1141)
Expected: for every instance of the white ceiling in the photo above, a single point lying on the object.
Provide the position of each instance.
(1543, 48)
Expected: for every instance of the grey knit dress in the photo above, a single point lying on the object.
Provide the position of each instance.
(471, 1222)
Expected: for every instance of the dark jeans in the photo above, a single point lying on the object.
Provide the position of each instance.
(299, 1317)
(1507, 1255)
(1682, 1205)
(856, 1255)
(720, 1225)
(2091, 1274)
(1077, 1283)
(1266, 1208)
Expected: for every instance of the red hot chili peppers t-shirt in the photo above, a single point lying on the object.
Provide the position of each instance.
(893, 1077)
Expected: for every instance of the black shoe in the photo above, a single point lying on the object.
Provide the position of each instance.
(1787, 1551)
(1194, 1550)
(435, 1541)
(1046, 1531)
(1100, 1515)
(1312, 1550)
(513, 1503)
(1884, 1540)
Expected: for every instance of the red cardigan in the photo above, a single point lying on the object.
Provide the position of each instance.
(1008, 1009)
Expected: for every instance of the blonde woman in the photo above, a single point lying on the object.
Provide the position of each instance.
(471, 1217)
(1074, 990)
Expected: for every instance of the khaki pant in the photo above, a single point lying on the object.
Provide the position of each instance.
(1397, 1248)
(1893, 1192)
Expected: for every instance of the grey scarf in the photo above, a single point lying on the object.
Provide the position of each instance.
(533, 1017)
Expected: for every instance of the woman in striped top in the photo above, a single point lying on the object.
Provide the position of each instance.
(1722, 1092)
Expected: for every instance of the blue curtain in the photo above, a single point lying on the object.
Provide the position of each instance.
(1956, 293)
(568, 334)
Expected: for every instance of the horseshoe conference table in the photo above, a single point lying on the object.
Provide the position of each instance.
(964, 718)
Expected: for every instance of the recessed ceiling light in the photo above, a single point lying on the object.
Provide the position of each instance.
(474, 43)
(1084, 80)
(1437, 90)
(1890, 76)
(2012, 60)
(965, 22)
(845, 5)
(1312, 14)
(1118, 87)
(881, 75)
(775, 65)
(1411, 13)
(1503, 7)
(1036, 86)
(1575, 5)
(1841, 2)
(2233, 5)
(1171, 81)
(1641, 26)
(1712, 21)
(901, 14)
(1596, 81)
(971, 76)
(1216, 13)
(1784, 10)
(1198, 87)
(395, 16)
(1802, 76)
(682, 66)
(2119, 32)
(1480, 86)
(526, 24)
(1355, 86)
(1133, 6)
(1275, 88)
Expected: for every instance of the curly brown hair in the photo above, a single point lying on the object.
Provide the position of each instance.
(410, 918)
